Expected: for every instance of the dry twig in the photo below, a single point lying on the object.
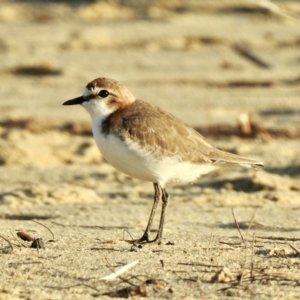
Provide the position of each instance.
(274, 8)
(294, 248)
(238, 227)
(117, 273)
(10, 245)
(245, 52)
(45, 227)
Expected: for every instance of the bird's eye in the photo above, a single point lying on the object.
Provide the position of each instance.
(103, 93)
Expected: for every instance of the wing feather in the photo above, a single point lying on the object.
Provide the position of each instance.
(162, 134)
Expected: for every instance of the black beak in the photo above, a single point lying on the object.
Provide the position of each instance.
(74, 101)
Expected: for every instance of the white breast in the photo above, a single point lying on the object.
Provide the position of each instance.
(129, 158)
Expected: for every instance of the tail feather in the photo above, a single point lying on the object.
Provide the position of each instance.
(225, 157)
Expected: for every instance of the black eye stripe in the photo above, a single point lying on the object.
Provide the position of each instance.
(103, 93)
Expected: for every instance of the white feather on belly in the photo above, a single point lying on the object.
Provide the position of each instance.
(131, 159)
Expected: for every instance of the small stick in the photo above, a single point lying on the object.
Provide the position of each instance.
(278, 238)
(45, 227)
(230, 244)
(294, 248)
(162, 263)
(252, 219)
(117, 273)
(10, 245)
(127, 231)
(246, 53)
(252, 258)
(245, 241)
(199, 265)
(238, 227)
(210, 241)
(274, 8)
(71, 286)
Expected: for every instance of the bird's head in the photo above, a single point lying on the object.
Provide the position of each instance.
(103, 96)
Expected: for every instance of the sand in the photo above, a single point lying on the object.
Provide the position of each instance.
(208, 62)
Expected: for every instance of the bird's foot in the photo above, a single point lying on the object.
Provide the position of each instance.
(145, 240)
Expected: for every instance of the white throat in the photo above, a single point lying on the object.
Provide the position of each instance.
(97, 108)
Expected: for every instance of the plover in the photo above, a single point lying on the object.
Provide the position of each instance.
(145, 142)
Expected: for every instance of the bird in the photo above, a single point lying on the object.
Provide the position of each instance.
(148, 143)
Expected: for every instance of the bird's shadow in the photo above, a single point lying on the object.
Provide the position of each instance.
(291, 170)
(244, 184)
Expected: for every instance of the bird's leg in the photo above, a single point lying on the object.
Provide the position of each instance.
(157, 196)
(165, 198)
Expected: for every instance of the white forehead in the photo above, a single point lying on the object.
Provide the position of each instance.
(93, 91)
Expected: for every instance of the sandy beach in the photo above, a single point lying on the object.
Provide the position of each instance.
(228, 68)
